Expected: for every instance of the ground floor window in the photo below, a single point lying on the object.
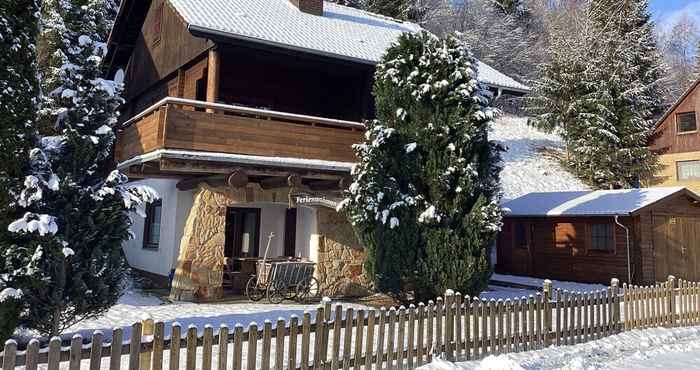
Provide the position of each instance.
(688, 170)
(602, 238)
(151, 234)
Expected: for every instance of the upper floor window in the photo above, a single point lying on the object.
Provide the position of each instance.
(602, 237)
(688, 170)
(686, 122)
(151, 234)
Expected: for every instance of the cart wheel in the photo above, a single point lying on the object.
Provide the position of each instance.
(252, 290)
(308, 291)
(276, 293)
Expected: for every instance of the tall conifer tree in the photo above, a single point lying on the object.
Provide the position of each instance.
(425, 194)
(76, 209)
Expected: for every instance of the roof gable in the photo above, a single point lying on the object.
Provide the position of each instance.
(341, 32)
(590, 203)
(678, 102)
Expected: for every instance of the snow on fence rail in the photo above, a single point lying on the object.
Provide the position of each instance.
(456, 327)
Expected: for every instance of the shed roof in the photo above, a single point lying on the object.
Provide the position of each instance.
(342, 32)
(590, 203)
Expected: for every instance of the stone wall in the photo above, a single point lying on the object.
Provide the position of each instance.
(340, 257)
(198, 275)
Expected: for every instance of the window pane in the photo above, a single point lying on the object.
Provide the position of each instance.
(602, 237)
(686, 122)
(688, 170)
(520, 238)
(153, 217)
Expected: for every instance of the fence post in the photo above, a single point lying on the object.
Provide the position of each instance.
(615, 285)
(672, 299)
(547, 296)
(449, 325)
(147, 331)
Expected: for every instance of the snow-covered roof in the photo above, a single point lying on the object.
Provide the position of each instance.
(588, 203)
(342, 32)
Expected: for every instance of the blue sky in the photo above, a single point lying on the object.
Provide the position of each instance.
(667, 11)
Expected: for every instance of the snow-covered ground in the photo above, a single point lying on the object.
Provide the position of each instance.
(556, 284)
(658, 348)
(134, 306)
(526, 168)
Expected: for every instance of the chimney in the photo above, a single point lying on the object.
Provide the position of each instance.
(314, 7)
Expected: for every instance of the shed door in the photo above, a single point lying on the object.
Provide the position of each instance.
(675, 247)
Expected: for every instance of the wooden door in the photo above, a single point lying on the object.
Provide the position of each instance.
(676, 247)
(521, 263)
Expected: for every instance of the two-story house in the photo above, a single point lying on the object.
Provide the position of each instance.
(677, 140)
(242, 114)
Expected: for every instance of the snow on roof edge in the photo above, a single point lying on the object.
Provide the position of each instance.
(622, 202)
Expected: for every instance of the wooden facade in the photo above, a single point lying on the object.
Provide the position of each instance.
(664, 240)
(678, 143)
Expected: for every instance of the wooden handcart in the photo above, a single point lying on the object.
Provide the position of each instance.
(283, 280)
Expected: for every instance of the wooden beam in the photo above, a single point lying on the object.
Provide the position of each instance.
(292, 180)
(213, 76)
(184, 166)
(237, 179)
(325, 185)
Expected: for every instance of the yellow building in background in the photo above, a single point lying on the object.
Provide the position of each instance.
(677, 140)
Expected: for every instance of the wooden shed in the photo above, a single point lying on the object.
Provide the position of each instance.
(642, 235)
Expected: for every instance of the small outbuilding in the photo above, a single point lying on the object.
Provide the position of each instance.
(637, 235)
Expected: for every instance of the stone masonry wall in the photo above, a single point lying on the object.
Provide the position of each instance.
(340, 257)
(198, 276)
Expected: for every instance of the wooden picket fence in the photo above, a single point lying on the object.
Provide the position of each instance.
(455, 327)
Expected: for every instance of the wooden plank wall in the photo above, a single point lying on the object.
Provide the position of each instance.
(154, 62)
(192, 130)
(667, 139)
(558, 249)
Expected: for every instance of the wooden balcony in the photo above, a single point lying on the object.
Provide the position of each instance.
(196, 126)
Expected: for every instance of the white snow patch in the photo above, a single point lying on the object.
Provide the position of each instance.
(658, 348)
(526, 169)
(8, 293)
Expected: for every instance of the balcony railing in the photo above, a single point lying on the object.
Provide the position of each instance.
(176, 123)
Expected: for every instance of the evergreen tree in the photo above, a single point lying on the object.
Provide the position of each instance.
(76, 209)
(605, 100)
(424, 200)
(400, 9)
(18, 99)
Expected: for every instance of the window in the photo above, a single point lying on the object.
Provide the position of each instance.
(686, 122)
(602, 238)
(564, 235)
(688, 170)
(242, 237)
(151, 235)
(520, 236)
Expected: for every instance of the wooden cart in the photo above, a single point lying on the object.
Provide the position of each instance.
(282, 280)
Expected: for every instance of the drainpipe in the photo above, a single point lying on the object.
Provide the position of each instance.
(627, 237)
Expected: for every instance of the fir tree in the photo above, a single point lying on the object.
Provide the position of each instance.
(18, 99)
(76, 209)
(399, 9)
(605, 100)
(424, 199)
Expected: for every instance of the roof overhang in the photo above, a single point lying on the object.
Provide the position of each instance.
(239, 159)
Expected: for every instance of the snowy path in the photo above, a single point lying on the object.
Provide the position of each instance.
(658, 348)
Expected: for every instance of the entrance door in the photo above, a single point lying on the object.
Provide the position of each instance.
(675, 243)
(290, 232)
(523, 235)
(242, 232)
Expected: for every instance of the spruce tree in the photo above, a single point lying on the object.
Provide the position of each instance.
(400, 9)
(424, 199)
(18, 99)
(605, 100)
(76, 208)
